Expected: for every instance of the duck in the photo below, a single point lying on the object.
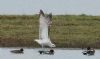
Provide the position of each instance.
(50, 52)
(18, 51)
(89, 51)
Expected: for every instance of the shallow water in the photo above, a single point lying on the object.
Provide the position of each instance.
(59, 54)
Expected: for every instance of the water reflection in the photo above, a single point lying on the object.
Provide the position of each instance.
(59, 54)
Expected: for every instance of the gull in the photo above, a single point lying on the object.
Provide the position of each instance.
(44, 26)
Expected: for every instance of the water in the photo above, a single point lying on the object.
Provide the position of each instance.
(59, 54)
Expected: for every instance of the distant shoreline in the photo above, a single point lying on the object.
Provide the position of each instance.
(67, 31)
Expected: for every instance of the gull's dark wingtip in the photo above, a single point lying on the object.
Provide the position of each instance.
(41, 12)
(50, 15)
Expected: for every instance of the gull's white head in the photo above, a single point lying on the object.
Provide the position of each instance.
(52, 45)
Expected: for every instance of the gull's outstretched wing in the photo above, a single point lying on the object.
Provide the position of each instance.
(43, 26)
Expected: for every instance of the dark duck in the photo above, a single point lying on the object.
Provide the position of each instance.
(18, 51)
(89, 51)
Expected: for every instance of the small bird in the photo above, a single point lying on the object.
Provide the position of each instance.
(18, 51)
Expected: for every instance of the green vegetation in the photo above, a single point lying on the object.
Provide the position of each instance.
(74, 31)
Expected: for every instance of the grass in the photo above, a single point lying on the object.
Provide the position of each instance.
(71, 31)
